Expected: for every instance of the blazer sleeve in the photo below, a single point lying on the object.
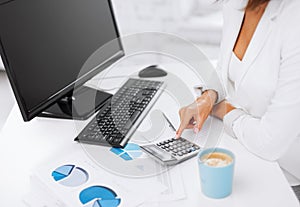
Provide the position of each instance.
(271, 135)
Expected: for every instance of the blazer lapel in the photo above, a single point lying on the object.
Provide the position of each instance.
(231, 32)
(260, 37)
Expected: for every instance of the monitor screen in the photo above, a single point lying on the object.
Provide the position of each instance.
(45, 43)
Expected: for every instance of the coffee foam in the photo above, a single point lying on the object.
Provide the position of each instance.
(216, 159)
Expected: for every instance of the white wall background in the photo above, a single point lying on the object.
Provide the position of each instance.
(190, 19)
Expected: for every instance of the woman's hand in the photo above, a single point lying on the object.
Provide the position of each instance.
(194, 115)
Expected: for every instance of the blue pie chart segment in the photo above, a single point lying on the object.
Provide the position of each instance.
(126, 156)
(62, 172)
(107, 203)
(70, 175)
(65, 170)
(100, 195)
(129, 152)
(57, 176)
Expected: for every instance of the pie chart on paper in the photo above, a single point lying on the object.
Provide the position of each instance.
(130, 151)
(99, 196)
(70, 175)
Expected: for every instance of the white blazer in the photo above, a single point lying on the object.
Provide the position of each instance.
(267, 122)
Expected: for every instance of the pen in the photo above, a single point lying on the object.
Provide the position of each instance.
(170, 124)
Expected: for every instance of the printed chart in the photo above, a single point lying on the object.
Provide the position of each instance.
(99, 196)
(70, 175)
(129, 152)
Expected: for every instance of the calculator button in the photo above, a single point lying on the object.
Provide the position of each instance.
(179, 154)
(167, 145)
(171, 148)
(158, 144)
(191, 149)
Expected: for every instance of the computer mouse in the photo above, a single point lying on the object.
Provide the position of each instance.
(152, 71)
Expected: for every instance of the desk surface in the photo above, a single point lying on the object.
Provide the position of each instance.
(25, 146)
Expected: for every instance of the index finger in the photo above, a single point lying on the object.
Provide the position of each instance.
(183, 124)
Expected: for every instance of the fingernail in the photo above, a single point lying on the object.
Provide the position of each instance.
(196, 130)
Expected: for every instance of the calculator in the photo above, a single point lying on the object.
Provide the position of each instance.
(172, 151)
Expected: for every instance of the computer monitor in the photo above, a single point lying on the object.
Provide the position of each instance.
(44, 44)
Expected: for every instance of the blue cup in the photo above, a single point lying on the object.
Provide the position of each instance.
(216, 182)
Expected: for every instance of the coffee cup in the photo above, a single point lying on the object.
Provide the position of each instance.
(216, 169)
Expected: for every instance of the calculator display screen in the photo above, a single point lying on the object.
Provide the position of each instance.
(164, 156)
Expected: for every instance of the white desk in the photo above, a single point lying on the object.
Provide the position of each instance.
(24, 146)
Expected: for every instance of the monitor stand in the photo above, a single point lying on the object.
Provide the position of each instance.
(79, 105)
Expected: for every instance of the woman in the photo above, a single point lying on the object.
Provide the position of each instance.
(260, 69)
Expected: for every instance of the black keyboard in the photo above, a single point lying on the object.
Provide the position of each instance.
(117, 120)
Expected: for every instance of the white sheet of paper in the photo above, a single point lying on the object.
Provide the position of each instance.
(173, 180)
(131, 191)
